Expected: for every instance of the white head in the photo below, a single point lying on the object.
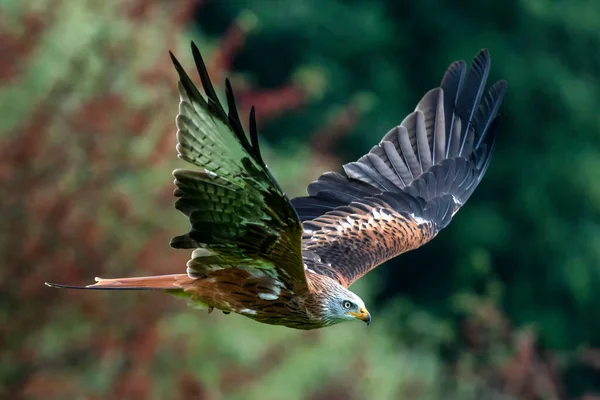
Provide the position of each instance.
(343, 305)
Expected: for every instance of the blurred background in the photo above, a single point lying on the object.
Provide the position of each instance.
(504, 304)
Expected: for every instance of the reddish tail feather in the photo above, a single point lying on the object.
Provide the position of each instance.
(159, 282)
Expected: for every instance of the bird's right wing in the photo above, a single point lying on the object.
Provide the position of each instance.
(407, 188)
(239, 215)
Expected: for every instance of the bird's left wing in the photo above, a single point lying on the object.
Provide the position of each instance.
(408, 187)
(239, 215)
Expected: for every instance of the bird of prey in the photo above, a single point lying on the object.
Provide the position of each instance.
(290, 262)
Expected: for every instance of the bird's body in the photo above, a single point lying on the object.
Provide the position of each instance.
(250, 292)
(282, 262)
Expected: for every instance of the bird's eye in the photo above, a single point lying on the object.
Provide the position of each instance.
(347, 304)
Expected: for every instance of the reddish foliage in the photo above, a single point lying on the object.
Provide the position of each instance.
(235, 378)
(164, 145)
(138, 121)
(191, 389)
(49, 385)
(231, 42)
(60, 168)
(335, 391)
(139, 10)
(19, 46)
(528, 373)
(133, 385)
(591, 357)
(184, 12)
(28, 140)
(272, 103)
(325, 139)
(121, 205)
(97, 116)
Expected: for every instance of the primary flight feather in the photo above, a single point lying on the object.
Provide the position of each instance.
(282, 262)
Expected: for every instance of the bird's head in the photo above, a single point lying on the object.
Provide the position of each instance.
(344, 305)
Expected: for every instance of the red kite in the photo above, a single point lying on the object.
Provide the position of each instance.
(282, 262)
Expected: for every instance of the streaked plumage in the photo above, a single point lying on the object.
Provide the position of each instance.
(284, 262)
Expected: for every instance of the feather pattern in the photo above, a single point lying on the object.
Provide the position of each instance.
(470, 95)
(451, 85)
(487, 111)
(237, 211)
(420, 174)
(407, 151)
(423, 150)
(438, 146)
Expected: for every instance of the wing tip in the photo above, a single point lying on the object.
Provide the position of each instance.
(483, 57)
(194, 47)
(197, 55)
(177, 65)
(484, 52)
(501, 84)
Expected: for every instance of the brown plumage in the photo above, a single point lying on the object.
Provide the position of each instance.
(290, 263)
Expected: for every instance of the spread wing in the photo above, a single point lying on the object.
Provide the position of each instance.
(238, 213)
(407, 188)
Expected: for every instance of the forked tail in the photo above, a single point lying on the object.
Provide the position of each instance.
(158, 282)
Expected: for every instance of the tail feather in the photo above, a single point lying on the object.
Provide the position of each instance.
(159, 282)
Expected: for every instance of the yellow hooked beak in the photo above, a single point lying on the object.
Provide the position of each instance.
(363, 315)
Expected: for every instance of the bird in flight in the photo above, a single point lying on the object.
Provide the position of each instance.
(291, 262)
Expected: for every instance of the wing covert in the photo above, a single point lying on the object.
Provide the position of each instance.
(239, 215)
(407, 188)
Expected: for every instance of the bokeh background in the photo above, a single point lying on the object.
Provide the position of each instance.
(504, 304)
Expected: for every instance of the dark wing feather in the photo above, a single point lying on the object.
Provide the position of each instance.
(470, 94)
(238, 213)
(408, 187)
